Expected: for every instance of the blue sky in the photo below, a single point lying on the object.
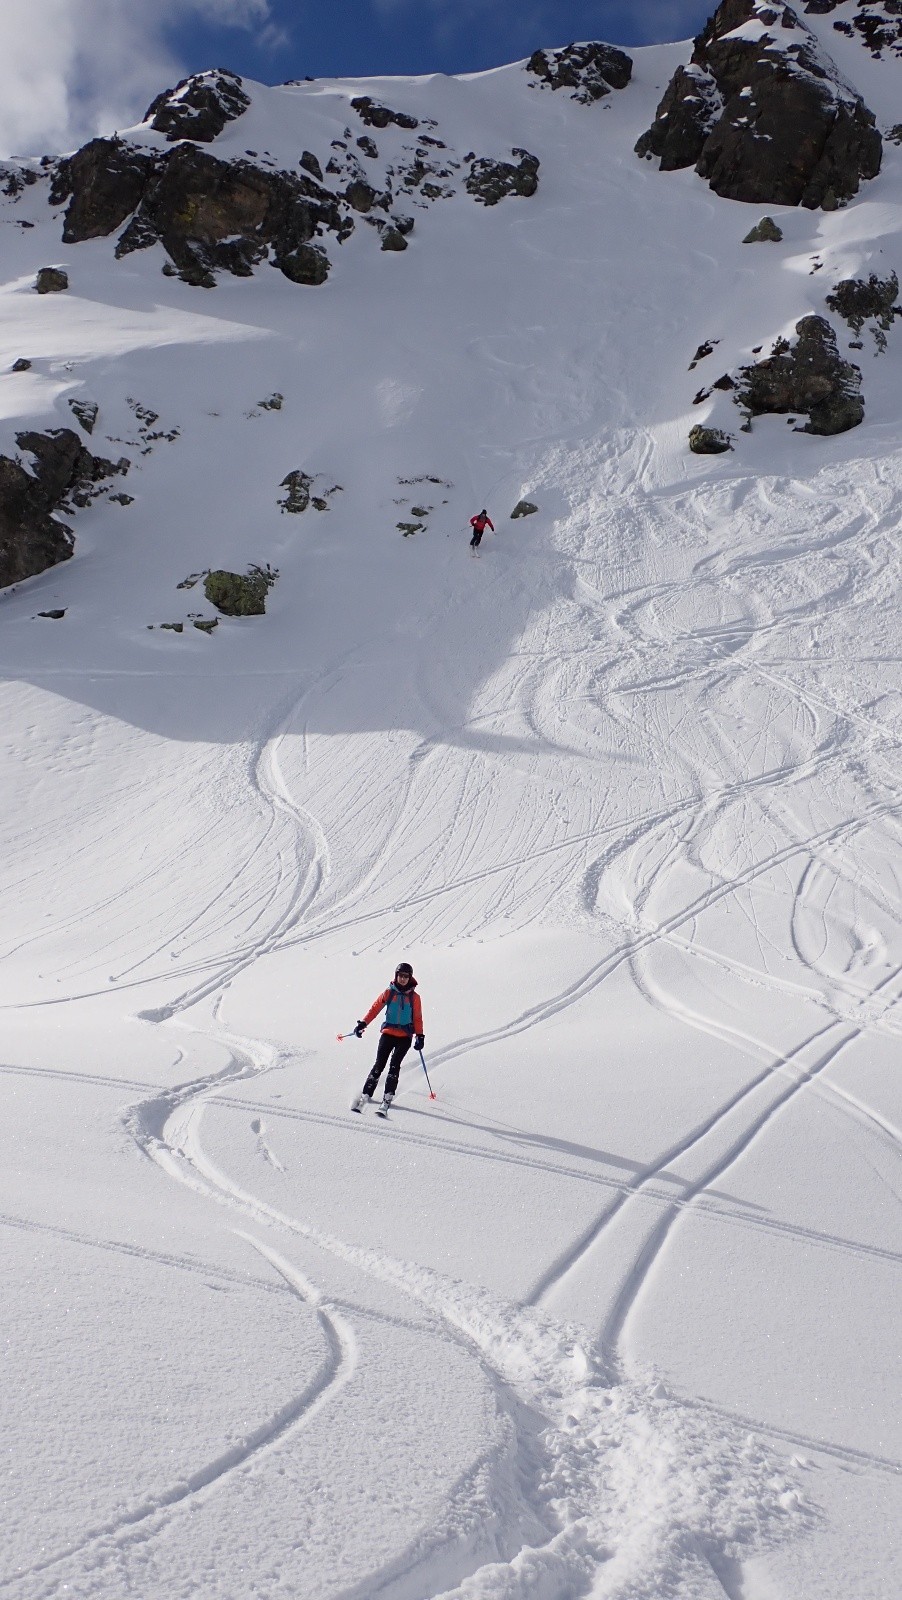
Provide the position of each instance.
(355, 38)
(70, 69)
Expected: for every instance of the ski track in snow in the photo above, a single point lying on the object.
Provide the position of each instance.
(613, 1485)
(604, 1413)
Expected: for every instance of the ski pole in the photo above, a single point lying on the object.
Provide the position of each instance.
(351, 1034)
(423, 1064)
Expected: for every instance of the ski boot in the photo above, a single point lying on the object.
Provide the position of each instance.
(382, 1111)
(361, 1101)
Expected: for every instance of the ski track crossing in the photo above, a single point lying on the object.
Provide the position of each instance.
(604, 666)
(657, 720)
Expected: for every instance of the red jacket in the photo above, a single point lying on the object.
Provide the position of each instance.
(398, 1033)
(481, 523)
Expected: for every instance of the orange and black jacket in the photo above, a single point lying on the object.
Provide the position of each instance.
(403, 1013)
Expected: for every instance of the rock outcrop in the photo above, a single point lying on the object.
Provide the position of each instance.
(764, 114)
(64, 475)
(213, 215)
(379, 116)
(200, 106)
(591, 71)
(490, 181)
(877, 23)
(809, 377)
(104, 182)
(861, 300)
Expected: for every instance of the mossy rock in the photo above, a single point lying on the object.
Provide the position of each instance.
(51, 280)
(239, 595)
(709, 441)
(524, 508)
(764, 232)
(409, 528)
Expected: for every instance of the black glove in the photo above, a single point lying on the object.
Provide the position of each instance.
(419, 1041)
(359, 1030)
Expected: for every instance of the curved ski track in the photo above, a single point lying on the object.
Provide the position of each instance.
(608, 670)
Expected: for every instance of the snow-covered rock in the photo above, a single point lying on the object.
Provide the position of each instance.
(200, 106)
(764, 114)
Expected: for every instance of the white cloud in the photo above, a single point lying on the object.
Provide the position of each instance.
(70, 69)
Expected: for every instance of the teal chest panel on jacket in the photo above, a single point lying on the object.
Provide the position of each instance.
(399, 1010)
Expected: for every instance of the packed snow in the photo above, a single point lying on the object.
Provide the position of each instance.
(617, 1313)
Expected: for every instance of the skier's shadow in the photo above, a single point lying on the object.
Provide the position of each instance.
(577, 1152)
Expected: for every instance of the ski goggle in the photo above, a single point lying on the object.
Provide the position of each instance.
(404, 974)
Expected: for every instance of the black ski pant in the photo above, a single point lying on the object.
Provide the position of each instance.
(476, 540)
(390, 1045)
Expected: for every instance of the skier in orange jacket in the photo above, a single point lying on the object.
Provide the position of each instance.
(403, 1024)
(479, 525)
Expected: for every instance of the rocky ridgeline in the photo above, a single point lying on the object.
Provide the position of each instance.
(214, 215)
(65, 476)
(763, 113)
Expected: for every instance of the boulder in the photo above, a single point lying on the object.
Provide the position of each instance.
(523, 508)
(21, 365)
(238, 594)
(379, 116)
(308, 263)
(310, 164)
(393, 239)
(709, 441)
(51, 280)
(360, 196)
(200, 106)
(764, 232)
(807, 377)
(764, 114)
(490, 181)
(104, 182)
(590, 70)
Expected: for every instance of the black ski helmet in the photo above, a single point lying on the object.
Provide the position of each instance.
(404, 968)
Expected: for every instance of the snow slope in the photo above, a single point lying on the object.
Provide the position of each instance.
(617, 1313)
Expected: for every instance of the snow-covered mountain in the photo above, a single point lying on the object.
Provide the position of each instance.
(616, 1313)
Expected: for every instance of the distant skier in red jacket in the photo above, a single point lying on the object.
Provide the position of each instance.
(479, 525)
(403, 1020)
